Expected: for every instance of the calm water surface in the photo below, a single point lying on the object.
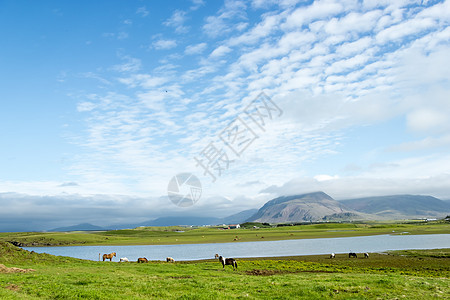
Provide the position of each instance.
(375, 243)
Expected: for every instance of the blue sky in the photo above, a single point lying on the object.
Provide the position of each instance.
(106, 101)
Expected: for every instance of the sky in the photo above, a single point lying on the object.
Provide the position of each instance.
(104, 102)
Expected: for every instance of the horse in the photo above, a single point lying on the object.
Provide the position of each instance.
(142, 260)
(366, 255)
(352, 254)
(332, 255)
(170, 259)
(124, 259)
(109, 256)
(228, 262)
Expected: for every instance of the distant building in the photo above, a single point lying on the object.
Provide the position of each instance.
(234, 226)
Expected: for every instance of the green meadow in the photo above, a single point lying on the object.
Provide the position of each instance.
(182, 235)
(410, 274)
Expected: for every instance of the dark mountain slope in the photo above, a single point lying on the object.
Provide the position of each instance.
(400, 206)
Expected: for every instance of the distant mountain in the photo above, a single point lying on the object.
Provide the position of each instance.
(79, 227)
(199, 221)
(313, 207)
(240, 217)
(189, 220)
(400, 206)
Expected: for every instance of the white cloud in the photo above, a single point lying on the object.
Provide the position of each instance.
(96, 77)
(357, 46)
(410, 27)
(197, 4)
(85, 106)
(263, 3)
(353, 22)
(355, 187)
(263, 29)
(142, 11)
(220, 51)
(324, 177)
(164, 44)
(131, 65)
(220, 24)
(144, 80)
(195, 49)
(428, 120)
(347, 64)
(423, 144)
(304, 15)
(177, 21)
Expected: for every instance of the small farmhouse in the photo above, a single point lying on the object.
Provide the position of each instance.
(234, 226)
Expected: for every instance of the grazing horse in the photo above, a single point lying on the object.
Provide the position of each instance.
(228, 262)
(142, 260)
(366, 255)
(352, 254)
(170, 259)
(124, 259)
(109, 256)
(332, 255)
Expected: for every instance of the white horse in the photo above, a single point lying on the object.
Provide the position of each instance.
(366, 255)
(170, 259)
(124, 259)
(332, 255)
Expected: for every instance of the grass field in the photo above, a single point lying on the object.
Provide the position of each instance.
(172, 235)
(399, 275)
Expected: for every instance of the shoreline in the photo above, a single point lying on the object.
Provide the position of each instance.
(170, 236)
(232, 242)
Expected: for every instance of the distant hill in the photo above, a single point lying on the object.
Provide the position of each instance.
(313, 207)
(182, 220)
(400, 206)
(168, 221)
(199, 221)
(240, 217)
(79, 227)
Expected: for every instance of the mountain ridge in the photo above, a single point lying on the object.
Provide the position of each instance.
(400, 206)
(79, 227)
(315, 206)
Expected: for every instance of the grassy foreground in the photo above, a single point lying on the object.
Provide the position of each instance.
(181, 235)
(401, 274)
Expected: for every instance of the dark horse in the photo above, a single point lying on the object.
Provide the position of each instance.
(228, 262)
(142, 260)
(352, 254)
(109, 256)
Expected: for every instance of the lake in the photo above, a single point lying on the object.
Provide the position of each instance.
(359, 244)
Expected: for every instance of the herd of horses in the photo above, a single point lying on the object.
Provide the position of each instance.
(224, 261)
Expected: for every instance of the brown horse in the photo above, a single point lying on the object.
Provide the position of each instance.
(109, 256)
(142, 260)
(170, 259)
